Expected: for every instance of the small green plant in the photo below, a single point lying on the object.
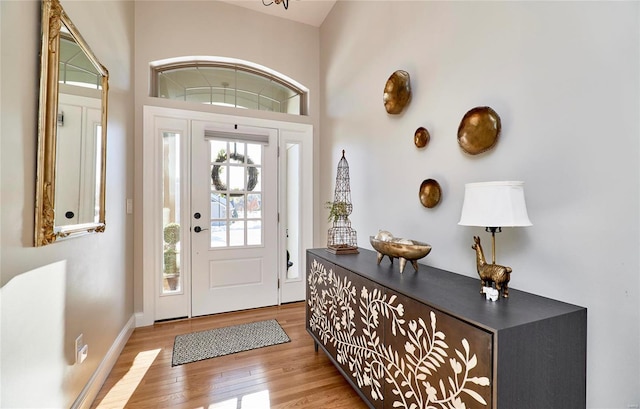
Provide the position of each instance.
(172, 233)
(336, 210)
(171, 238)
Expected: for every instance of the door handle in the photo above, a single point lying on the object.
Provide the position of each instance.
(198, 229)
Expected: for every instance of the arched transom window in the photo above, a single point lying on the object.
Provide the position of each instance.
(75, 68)
(231, 84)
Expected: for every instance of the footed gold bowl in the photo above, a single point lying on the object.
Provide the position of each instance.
(404, 249)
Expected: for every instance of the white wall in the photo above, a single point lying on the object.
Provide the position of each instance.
(52, 294)
(170, 29)
(563, 76)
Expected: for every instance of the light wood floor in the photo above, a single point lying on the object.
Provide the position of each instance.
(290, 375)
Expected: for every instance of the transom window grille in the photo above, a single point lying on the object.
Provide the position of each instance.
(227, 84)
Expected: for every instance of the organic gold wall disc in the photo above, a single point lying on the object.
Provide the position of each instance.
(397, 92)
(421, 137)
(430, 193)
(479, 130)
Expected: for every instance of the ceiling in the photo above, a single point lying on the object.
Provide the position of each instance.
(312, 12)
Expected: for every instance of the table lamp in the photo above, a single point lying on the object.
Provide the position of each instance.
(493, 205)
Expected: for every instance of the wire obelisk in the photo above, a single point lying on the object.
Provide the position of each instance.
(342, 238)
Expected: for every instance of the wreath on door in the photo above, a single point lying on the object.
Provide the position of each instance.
(222, 157)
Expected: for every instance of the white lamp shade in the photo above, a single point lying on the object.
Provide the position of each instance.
(494, 204)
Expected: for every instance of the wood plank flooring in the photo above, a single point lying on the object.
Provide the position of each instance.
(290, 375)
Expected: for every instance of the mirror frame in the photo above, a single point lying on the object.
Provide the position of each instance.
(53, 16)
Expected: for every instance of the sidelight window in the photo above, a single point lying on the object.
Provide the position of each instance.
(171, 224)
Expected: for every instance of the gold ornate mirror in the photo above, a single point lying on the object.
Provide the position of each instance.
(72, 132)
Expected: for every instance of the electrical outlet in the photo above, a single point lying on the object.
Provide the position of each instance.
(79, 347)
(83, 353)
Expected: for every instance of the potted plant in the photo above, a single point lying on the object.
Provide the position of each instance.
(171, 270)
(337, 210)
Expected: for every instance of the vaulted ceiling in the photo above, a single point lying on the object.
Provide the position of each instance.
(312, 12)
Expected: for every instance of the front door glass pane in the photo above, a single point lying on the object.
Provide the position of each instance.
(236, 197)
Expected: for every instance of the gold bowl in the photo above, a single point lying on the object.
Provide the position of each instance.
(404, 249)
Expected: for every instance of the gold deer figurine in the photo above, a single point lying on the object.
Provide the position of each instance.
(499, 275)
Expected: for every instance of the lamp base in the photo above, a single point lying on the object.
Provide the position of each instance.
(493, 231)
(491, 273)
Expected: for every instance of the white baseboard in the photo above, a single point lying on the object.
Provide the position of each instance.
(91, 389)
(143, 319)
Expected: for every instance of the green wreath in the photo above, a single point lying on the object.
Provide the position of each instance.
(222, 157)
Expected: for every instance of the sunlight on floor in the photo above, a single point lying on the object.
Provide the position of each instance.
(121, 392)
(258, 400)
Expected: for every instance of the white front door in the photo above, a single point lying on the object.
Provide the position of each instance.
(234, 217)
(226, 274)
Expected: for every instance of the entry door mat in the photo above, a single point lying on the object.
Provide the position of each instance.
(201, 345)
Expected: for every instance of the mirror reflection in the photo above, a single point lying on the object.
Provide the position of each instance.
(70, 188)
(78, 128)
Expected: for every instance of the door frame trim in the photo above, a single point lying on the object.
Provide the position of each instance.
(151, 262)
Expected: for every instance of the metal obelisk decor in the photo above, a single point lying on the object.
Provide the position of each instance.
(341, 238)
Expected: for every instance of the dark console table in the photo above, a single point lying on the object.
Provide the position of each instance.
(429, 339)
